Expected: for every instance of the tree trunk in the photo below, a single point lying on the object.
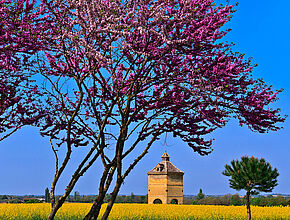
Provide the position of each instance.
(104, 186)
(95, 209)
(248, 205)
(55, 208)
(112, 200)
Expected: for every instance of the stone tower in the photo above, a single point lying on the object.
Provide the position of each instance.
(165, 183)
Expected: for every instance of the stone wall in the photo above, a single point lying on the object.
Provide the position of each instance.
(165, 187)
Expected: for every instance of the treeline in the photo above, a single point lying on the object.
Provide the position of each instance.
(21, 199)
(236, 200)
(132, 199)
(120, 199)
(74, 198)
(227, 200)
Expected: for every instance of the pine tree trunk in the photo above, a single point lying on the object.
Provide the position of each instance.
(248, 205)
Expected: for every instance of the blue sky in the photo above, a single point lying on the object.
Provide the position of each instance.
(261, 29)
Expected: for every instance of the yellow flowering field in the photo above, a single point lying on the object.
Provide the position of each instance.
(77, 211)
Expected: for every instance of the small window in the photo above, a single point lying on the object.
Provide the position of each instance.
(157, 201)
(174, 201)
(159, 167)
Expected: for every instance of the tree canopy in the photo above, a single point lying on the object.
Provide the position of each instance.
(253, 175)
(21, 28)
(200, 195)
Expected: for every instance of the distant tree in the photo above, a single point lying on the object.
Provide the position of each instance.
(253, 175)
(76, 196)
(15, 200)
(235, 200)
(47, 195)
(258, 201)
(3, 197)
(107, 198)
(262, 201)
(281, 201)
(132, 197)
(32, 201)
(200, 195)
(277, 201)
(194, 202)
(121, 199)
(225, 199)
(288, 201)
(143, 199)
(209, 201)
(146, 198)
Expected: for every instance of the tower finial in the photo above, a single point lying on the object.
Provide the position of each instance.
(165, 156)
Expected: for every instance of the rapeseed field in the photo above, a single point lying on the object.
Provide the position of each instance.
(76, 211)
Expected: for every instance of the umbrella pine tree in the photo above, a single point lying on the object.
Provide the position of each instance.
(253, 175)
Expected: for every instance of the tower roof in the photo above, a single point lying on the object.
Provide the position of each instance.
(165, 156)
(164, 167)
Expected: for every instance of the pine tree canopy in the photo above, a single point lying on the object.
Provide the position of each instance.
(251, 174)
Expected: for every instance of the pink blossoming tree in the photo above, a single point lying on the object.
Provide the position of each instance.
(119, 74)
(19, 105)
(21, 26)
(21, 29)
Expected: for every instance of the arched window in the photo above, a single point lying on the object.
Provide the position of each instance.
(157, 201)
(174, 201)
